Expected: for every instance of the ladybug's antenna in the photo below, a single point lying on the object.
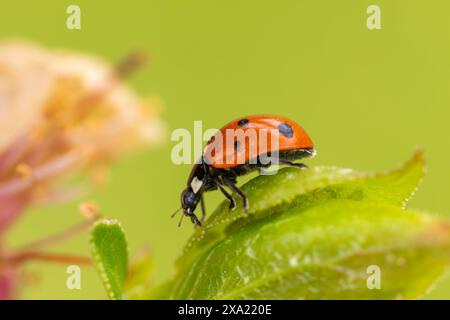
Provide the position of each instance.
(181, 219)
(175, 213)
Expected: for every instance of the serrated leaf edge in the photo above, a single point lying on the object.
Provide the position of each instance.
(97, 258)
(418, 157)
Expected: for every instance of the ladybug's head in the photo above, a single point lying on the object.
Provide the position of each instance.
(189, 201)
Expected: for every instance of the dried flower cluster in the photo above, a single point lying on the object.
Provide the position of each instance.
(60, 112)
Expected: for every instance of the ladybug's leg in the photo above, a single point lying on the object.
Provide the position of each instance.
(229, 183)
(195, 220)
(227, 195)
(293, 164)
(202, 205)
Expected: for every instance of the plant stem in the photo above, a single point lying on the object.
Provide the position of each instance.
(48, 257)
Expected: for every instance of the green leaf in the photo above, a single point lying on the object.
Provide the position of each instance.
(110, 253)
(313, 234)
(293, 187)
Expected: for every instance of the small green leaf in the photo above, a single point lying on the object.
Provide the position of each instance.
(110, 253)
(314, 234)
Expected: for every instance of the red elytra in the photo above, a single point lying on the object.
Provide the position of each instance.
(254, 136)
(239, 148)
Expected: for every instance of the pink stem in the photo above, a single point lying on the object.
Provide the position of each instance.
(40, 173)
(11, 155)
(10, 208)
(7, 285)
(48, 257)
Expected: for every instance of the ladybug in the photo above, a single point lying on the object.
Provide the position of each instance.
(242, 146)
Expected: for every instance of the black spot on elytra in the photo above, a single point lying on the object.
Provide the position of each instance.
(237, 145)
(286, 130)
(242, 122)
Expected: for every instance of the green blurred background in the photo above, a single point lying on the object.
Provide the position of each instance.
(367, 98)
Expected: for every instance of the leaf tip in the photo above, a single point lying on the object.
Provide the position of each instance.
(419, 158)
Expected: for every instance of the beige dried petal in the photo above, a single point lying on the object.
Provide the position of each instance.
(61, 111)
(30, 75)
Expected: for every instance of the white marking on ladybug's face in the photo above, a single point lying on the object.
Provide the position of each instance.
(196, 184)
